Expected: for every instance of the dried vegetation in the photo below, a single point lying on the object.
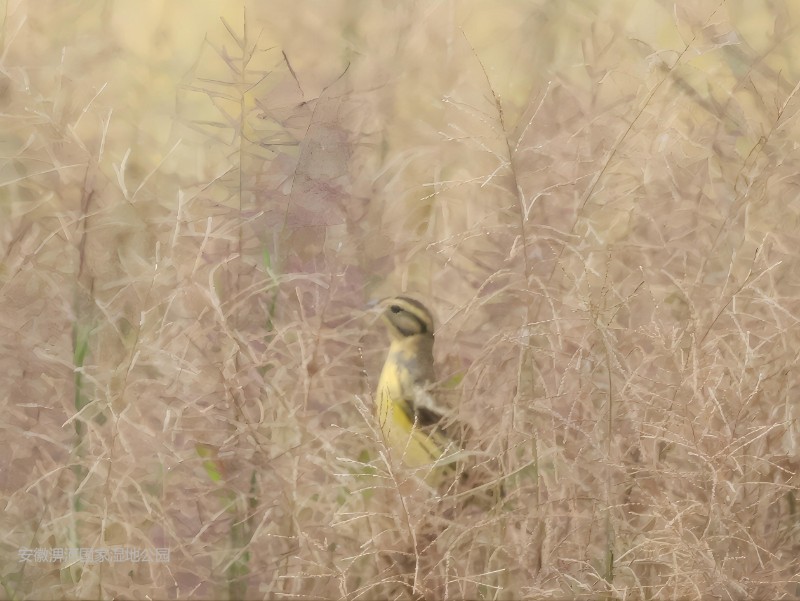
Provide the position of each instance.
(598, 200)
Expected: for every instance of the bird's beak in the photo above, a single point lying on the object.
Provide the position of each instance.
(378, 304)
(375, 308)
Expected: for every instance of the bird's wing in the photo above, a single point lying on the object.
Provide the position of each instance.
(431, 417)
(425, 408)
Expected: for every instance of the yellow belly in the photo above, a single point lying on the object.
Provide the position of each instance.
(414, 446)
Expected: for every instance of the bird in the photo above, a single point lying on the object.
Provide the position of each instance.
(414, 426)
(412, 423)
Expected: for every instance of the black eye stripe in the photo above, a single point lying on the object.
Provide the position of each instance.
(422, 328)
(411, 317)
(405, 332)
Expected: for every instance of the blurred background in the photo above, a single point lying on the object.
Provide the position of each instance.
(598, 201)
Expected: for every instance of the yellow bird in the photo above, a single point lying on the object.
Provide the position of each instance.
(411, 423)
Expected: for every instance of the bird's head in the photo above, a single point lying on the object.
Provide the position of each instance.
(405, 317)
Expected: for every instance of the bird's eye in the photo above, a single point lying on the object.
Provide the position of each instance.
(395, 309)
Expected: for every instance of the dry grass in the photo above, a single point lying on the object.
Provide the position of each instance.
(598, 200)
